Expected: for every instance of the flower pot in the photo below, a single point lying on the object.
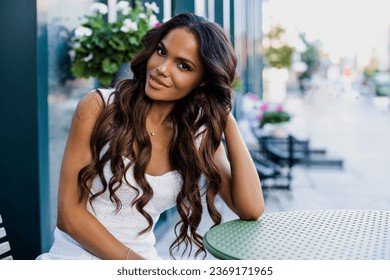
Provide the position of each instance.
(275, 85)
(275, 130)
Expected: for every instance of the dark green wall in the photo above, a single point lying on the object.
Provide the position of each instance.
(23, 122)
(183, 6)
(232, 18)
(218, 8)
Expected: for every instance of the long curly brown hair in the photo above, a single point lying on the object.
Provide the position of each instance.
(122, 123)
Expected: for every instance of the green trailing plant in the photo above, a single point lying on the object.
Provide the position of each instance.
(272, 114)
(274, 118)
(99, 47)
(237, 85)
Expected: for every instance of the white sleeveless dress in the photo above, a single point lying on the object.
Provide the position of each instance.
(128, 222)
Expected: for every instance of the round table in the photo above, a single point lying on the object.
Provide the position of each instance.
(304, 235)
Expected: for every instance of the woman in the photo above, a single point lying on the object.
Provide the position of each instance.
(142, 148)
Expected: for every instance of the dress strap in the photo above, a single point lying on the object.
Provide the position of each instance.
(199, 136)
(106, 94)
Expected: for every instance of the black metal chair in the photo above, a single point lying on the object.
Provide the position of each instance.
(270, 174)
(5, 249)
(289, 151)
(286, 151)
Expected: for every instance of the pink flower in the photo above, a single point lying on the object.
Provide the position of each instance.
(279, 108)
(252, 96)
(264, 107)
(259, 117)
(157, 24)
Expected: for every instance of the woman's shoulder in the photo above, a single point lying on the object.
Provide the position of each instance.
(90, 106)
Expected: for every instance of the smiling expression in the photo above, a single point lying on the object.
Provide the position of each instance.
(175, 68)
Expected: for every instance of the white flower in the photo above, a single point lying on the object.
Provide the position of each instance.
(153, 21)
(129, 25)
(72, 54)
(126, 11)
(99, 7)
(82, 31)
(152, 7)
(88, 58)
(142, 15)
(76, 45)
(123, 7)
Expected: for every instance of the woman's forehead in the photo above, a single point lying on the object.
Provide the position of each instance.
(180, 40)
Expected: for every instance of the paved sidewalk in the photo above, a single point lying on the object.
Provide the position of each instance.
(348, 125)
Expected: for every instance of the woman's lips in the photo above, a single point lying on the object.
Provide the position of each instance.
(156, 82)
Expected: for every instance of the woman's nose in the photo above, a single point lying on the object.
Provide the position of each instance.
(162, 69)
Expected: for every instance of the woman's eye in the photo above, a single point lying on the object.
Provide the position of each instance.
(184, 66)
(160, 51)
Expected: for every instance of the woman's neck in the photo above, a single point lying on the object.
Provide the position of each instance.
(159, 113)
(158, 121)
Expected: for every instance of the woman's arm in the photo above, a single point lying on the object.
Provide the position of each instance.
(241, 188)
(73, 216)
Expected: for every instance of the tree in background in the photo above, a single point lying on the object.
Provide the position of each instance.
(278, 53)
(311, 57)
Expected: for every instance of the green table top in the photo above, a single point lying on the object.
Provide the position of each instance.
(323, 234)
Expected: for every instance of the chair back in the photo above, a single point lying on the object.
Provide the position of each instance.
(5, 248)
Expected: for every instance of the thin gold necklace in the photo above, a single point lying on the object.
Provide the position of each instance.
(154, 132)
(151, 132)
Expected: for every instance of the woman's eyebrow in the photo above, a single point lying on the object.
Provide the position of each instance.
(184, 59)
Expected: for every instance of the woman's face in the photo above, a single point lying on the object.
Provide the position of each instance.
(174, 69)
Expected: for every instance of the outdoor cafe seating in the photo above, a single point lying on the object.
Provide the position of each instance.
(278, 154)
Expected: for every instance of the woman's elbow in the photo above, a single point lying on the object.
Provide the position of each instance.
(66, 218)
(253, 214)
(63, 221)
